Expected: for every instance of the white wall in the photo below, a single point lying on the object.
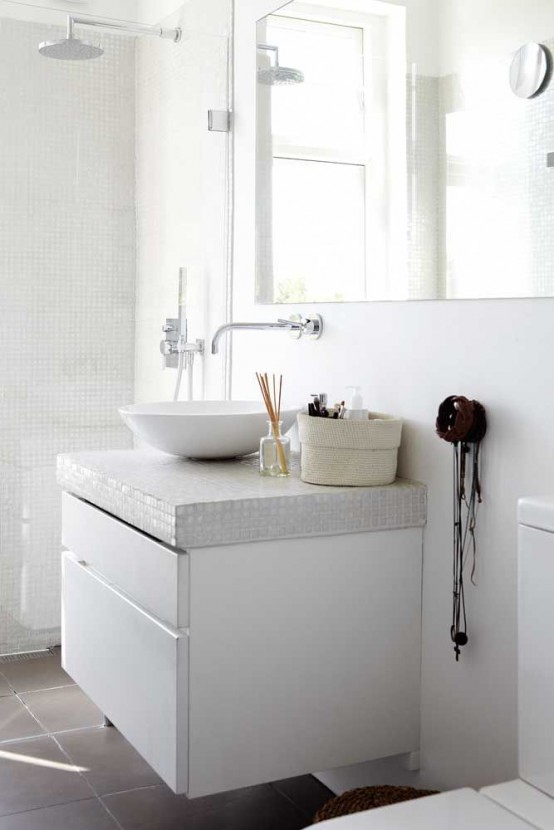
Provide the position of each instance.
(208, 17)
(31, 9)
(205, 16)
(156, 10)
(477, 32)
(422, 34)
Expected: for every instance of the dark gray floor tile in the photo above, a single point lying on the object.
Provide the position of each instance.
(156, 808)
(32, 675)
(15, 720)
(36, 774)
(111, 762)
(306, 792)
(5, 688)
(61, 709)
(79, 815)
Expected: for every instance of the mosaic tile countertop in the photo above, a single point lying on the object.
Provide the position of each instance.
(191, 504)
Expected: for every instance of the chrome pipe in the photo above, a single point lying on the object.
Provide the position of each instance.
(132, 28)
(273, 50)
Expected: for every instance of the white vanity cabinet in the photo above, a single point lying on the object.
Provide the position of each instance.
(233, 664)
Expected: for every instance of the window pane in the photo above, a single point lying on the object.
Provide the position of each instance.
(318, 235)
(326, 110)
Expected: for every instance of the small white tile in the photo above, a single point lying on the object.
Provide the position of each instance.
(67, 281)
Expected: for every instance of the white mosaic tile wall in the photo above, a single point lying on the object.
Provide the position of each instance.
(67, 283)
(497, 207)
(480, 205)
(181, 179)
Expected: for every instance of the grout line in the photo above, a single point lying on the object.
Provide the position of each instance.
(46, 807)
(44, 729)
(46, 734)
(76, 763)
(109, 812)
(33, 717)
(26, 739)
(105, 796)
(138, 789)
(72, 762)
(46, 689)
(101, 799)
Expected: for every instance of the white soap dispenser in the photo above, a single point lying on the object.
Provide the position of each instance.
(355, 410)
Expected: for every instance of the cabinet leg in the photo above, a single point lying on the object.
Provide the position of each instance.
(107, 722)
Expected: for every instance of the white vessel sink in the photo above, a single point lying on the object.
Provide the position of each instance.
(202, 429)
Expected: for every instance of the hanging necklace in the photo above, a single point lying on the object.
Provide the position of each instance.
(463, 423)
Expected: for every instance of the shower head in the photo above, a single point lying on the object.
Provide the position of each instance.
(73, 49)
(280, 76)
(277, 75)
(69, 49)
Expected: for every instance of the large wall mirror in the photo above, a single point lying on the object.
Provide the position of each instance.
(393, 159)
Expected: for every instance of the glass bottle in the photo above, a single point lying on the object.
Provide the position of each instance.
(275, 452)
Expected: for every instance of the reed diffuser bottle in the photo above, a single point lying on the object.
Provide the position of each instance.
(275, 452)
(274, 447)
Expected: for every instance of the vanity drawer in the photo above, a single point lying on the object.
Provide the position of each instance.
(134, 668)
(154, 575)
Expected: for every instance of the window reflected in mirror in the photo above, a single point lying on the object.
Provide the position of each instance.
(331, 139)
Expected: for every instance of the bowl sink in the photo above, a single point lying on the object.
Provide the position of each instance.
(202, 429)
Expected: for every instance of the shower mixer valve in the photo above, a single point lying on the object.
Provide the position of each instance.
(175, 344)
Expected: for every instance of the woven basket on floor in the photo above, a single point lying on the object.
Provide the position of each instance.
(367, 798)
(349, 453)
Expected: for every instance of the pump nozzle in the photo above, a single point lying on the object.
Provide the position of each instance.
(355, 410)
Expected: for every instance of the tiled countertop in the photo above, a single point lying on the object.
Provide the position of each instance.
(191, 504)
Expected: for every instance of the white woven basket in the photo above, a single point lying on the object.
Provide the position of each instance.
(349, 453)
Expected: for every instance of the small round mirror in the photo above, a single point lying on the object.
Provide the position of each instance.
(529, 70)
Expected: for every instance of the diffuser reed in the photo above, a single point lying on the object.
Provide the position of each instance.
(275, 448)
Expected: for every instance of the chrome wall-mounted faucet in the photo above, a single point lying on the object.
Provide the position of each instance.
(297, 325)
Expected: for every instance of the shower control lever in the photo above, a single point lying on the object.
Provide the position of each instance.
(175, 343)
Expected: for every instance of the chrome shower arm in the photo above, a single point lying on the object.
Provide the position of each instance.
(133, 28)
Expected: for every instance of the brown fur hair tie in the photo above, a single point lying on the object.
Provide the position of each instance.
(460, 419)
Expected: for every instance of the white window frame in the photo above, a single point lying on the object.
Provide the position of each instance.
(285, 150)
(247, 14)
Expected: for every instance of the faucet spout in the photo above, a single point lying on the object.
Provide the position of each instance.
(248, 327)
(297, 324)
